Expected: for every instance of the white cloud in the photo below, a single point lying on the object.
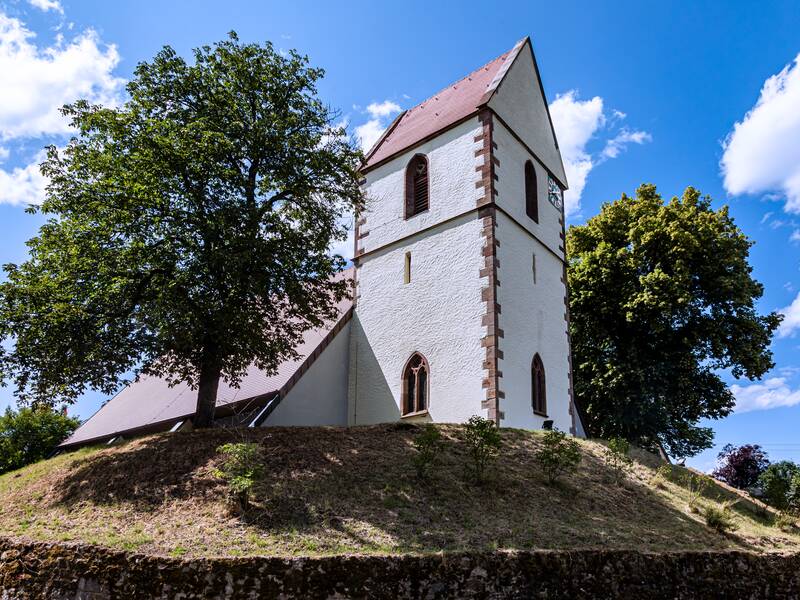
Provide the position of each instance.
(620, 141)
(23, 185)
(791, 319)
(576, 122)
(369, 132)
(383, 109)
(795, 237)
(37, 80)
(762, 153)
(46, 5)
(771, 393)
(4, 153)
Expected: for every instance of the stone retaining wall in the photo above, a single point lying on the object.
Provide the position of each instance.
(72, 572)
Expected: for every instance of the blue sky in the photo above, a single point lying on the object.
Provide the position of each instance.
(703, 94)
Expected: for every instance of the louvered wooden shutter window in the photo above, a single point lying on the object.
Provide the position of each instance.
(417, 186)
(531, 197)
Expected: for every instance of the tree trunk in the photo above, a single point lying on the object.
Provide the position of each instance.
(206, 396)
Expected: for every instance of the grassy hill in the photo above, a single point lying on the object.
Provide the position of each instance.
(333, 490)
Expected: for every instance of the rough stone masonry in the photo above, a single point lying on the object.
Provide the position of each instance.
(34, 570)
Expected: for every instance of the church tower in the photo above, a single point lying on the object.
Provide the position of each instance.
(460, 301)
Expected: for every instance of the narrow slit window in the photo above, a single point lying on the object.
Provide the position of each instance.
(538, 387)
(531, 196)
(417, 186)
(407, 269)
(533, 266)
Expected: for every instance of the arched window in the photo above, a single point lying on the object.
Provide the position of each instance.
(539, 389)
(414, 397)
(531, 197)
(416, 186)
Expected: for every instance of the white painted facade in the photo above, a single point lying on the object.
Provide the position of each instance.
(438, 314)
(320, 396)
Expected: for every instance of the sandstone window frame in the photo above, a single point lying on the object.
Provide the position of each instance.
(415, 386)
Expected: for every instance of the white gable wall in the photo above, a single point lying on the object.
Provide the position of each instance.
(320, 395)
(520, 103)
(510, 188)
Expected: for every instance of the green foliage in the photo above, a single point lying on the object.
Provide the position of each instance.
(696, 486)
(483, 443)
(662, 475)
(559, 454)
(779, 483)
(428, 444)
(187, 232)
(793, 495)
(720, 519)
(786, 522)
(31, 434)
(661, 300)
(617, 457)
(241, 468)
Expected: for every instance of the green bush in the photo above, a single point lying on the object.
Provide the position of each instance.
(661, 476)
(31, 434)
(793, 495)
(241, 468)
(558, 455)
(776, 483)
(720, 519)
(696, 485)
(483, 443)
(428, 444)
(617, 457)
(786, 522)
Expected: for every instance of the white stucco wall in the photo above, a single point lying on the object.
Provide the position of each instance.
(520, 103)
(437, 314)
(451, 168)
(532, 320)
(320, 396)
(510, 188)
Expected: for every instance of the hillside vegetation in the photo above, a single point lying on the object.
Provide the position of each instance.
(354, 490)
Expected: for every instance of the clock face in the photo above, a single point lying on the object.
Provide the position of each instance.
(554, 193)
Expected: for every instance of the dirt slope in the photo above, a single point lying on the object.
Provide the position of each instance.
(332, 490)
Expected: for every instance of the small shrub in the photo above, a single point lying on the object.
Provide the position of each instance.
(241, 468)
(558, 455)
(661, 477)
(483, 442)
(786, 522)
(720, 519)
(428, 444)
(697, 485)
(617, 457)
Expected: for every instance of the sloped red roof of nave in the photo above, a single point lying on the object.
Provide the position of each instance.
(443, 109)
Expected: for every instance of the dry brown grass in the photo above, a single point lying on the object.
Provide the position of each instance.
(333, 490)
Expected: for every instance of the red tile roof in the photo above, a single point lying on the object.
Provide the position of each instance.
(443, 109)
(149, 404)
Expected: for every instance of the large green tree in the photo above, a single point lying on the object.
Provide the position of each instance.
(662, 301)
(188, 232)
(28, 435)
